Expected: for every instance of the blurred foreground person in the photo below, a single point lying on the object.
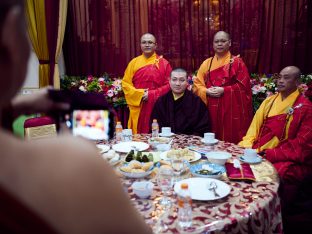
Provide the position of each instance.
(59, 185)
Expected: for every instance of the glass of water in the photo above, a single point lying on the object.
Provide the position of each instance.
(165, 182)
(178, 166)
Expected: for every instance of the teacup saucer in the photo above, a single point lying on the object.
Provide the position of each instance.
(214, 141)
(253, 161)
(166, 134)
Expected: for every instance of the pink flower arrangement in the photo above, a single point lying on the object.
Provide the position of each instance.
(109, 87)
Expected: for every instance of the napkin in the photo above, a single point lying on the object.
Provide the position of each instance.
(239, 171)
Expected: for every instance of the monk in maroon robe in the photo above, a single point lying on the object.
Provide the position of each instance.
(223, 83)
(180, 109)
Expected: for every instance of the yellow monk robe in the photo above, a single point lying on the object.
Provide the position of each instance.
(279, 107)
(144, 73)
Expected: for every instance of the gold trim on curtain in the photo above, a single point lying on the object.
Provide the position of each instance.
(35, 15)
(60, 38)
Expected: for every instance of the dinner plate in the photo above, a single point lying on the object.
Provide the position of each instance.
(163, 156)
(199, 188)
(214, 141)
(216, 170)
(126, 147)
(166, 135)
(253, 161)
(103, 148)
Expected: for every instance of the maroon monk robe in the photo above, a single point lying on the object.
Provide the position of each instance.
(293, 156)
(187, 115)
(155, 78)
(231, 114)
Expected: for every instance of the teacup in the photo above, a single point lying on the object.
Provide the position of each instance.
(209, 137)
(250, 154)
(166, 131)
(127, 134)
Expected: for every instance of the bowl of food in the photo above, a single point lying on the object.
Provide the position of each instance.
(163, 147)
(136, 169)
(155, 141)
(143, 189)
(218, 157)
(207, 170)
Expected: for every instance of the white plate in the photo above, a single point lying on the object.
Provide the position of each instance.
(166, 135)
(254, 161)
(103, 148)
(199, 188)
(126, 147)
(163, 156)
(215, 141)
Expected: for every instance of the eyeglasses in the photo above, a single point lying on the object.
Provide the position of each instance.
(147, 42)
(222, 41)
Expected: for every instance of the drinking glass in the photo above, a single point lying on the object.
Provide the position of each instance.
(178, 165)
(165, 182)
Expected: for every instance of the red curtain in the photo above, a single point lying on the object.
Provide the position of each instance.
(52, 21)
(102, 36)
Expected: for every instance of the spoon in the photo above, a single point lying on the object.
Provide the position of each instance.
(212, 187)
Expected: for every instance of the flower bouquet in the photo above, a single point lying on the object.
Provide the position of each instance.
(109, 87)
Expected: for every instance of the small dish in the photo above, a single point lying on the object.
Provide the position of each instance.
(154, 141)
(216, 170)
(256, 160)
(163, 147)
(166, 135)
(218, 157)
(213, 142)
(103, 148)
(143, 189)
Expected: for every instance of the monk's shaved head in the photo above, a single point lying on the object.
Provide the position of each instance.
(222, 33)
(149, 35)
(293, 71)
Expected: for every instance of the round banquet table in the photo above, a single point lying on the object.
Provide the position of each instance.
(249, 208)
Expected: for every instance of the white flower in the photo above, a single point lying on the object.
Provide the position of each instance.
(82, 88)
(101, 79)
(110, 93)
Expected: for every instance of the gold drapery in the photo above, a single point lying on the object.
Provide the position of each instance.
(35, 15)
(60, 39)
(36, 21)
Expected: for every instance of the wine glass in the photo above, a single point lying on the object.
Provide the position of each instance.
(165, 182)
(178, 165)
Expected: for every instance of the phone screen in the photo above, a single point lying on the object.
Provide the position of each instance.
(91, 124)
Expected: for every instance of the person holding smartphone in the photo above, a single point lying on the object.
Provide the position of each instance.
(55, 185)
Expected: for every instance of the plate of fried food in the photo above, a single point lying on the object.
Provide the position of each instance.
(185, 154)
(136, 169)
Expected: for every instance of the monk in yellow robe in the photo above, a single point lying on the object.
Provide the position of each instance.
(146, 78)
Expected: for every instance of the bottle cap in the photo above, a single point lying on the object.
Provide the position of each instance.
(154, 120)
(184, 186)
(118, 122)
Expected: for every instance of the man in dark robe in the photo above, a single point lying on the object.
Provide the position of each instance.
(180, 109)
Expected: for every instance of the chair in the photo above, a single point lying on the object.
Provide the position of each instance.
(39, 127)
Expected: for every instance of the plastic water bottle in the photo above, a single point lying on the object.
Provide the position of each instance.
(155, 128)
(185, 207)
(118, 131)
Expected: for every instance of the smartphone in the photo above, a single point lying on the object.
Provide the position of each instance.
(91, 124)
(89, 116)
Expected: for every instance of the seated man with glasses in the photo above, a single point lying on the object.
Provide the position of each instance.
(223, 83)
(145, 79)
(180, 109)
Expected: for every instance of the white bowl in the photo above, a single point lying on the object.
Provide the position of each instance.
(218, 157)
(143, 189)
(154, 141)
(163, 147)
